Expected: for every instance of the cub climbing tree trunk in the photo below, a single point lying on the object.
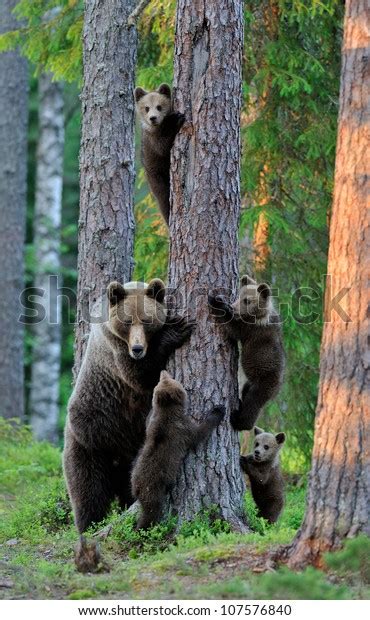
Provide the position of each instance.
(339, 494)
(46, 353)
(204, 239)
(107, 159)
(13, 176)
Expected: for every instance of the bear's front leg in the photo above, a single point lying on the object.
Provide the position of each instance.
(89, 483)
(175, 332)
(220, 309)
(172, 124)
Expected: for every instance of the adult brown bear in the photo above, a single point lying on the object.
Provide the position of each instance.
(112, 396)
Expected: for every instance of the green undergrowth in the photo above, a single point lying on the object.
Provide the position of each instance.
(201, 559)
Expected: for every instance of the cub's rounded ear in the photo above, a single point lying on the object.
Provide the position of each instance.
(156, 290)
(139, 93)
(247, 280)
(264, 290)
(280, 437)
(115, 292)
(165, 90)
(258, 431)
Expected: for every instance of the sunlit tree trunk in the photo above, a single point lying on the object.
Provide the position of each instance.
(13, 175)
(204, 239)
(107, 160)
(45, 373)
(338, 503)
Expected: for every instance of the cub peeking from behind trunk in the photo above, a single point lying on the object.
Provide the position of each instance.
(262, 467)
(253, 321)
(170, 434)
(159, 126)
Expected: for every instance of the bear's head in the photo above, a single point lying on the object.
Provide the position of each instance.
(266, 445)
(152, 107)
(168, 393)
(254, 302)
(136, 312)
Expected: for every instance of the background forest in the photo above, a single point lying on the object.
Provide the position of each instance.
(290, 104)
(291, 78)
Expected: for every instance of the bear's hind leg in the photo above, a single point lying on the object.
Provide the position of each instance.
(89, 484)
(252, 401)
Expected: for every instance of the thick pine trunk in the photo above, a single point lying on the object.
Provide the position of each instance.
(204, 239)
(13, 175)
(107, 160)
(338, 503)
(44, 392)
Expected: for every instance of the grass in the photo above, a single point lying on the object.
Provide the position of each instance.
(203, 560)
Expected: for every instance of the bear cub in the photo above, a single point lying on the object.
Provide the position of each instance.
(159, 126)
(262, 467)
(253, 321)
(170, 434)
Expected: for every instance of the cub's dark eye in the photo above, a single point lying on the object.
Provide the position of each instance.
(257, 444)
(159, 108)
(127, 322)
(266, 447)
(245, 301)
(146, 108)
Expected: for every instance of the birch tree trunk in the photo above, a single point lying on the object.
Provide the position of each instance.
(13, 179)
(204, 239)
(107, 159)
(338, 503)
(45, 374)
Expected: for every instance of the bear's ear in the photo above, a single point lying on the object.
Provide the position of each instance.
(165, 90)
(247, 280)
(116, 293)
(264, 290)
(139, 93)
(280, 437)
(156, 290)
(258, 431)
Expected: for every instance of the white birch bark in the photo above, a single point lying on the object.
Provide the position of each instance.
(44, 393)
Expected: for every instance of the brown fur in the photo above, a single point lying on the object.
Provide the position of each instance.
(158, 130)
(88, 557)
(253, 321)
(112, 397)
(170, 434)
(264, 472)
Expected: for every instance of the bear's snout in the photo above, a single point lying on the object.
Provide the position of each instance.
(137, 350)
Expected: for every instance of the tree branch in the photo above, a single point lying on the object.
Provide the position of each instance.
(134, 16)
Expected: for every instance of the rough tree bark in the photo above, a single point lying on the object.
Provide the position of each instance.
(338, 504)
(13, 175)
(44, 391)
(204, 239)
(107, 160)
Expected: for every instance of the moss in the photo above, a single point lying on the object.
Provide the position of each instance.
(353, 560)
(311, 584)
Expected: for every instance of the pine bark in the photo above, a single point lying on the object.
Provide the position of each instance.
(204, 240)
(107, 159)
(13, 179)
(338, 503)
(46, 353)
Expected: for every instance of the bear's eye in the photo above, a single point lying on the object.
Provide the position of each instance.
(257, 444)
(159, 108)
(245, 301)
(266, 447)
(127, 322)
(146, 108)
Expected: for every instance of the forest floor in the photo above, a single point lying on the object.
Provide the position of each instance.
(202, 561)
